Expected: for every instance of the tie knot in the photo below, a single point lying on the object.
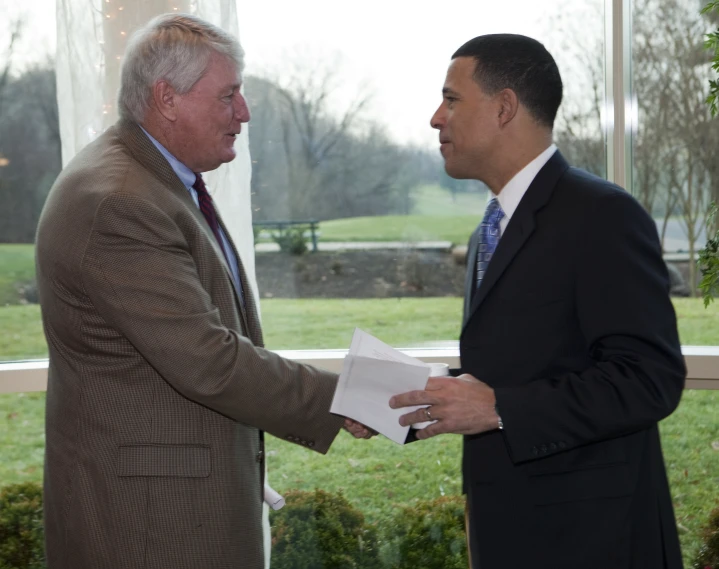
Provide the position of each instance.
(199, 185)
(494, 211)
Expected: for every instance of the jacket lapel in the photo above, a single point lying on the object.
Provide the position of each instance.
(145, 152)
(520, 227)
(245, 299)
(470, 279)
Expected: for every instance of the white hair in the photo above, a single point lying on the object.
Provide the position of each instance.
(176, 48)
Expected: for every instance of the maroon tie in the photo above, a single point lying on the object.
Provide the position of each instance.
(208, 210)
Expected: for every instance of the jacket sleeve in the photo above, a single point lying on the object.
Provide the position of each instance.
(629, 326)
(141, 276)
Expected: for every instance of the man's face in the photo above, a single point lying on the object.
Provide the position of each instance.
(210, 116)
(467, 122)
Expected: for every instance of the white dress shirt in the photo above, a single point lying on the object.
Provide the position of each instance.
(513, 192)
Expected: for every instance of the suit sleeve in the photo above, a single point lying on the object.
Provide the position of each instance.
(629, 326)
(139, 273)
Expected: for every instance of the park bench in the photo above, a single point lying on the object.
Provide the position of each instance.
(311, 225)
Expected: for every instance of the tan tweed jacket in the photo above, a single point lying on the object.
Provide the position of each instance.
(158, 386)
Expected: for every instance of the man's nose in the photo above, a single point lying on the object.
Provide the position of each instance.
(242, 110)
(437, 119)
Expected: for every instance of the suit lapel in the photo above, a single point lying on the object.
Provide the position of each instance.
(470, 279)
(145, 152)
(520, 227)
(248, 309)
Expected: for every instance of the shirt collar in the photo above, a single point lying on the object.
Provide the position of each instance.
(513, 192)
(186, 175)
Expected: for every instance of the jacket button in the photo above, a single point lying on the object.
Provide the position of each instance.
(260, 456)
(311, 444)
(552, 446)
(535, 451)
(562, 444)
(544, 449)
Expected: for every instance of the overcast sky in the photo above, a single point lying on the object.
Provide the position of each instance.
(396, 49)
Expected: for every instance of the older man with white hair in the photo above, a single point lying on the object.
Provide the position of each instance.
(159, 388)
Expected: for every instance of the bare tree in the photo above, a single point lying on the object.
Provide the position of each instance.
(677, 136)
(16, 29)
(30, 145)
(314, 156)
(579, 52)
(675, 169)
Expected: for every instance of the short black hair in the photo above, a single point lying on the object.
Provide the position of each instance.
(519, 63)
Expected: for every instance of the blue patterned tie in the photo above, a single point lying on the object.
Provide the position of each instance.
(488, 237)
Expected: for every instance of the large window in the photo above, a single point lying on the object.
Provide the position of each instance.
(341, 96)
(340, 133)
(675, 171)
(29, 163)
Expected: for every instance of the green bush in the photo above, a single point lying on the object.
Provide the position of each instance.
(428, 535)
(708, 557)
(291, 240)
(320, 530)
(21, 530)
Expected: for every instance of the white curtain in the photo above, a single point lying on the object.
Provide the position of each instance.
(91, 38)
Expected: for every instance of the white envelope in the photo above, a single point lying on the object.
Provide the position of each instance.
(372, 373)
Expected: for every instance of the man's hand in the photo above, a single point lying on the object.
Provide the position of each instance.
(358, 430)
(462, 405)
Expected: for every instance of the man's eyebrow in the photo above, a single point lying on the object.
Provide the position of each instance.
(448, 91)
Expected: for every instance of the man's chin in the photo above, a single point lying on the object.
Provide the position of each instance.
(228, 156)
(456, 173)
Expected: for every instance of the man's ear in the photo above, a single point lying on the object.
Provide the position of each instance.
(508, 106)
(165, 100)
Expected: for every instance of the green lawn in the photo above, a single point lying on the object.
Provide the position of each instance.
(329, 323)
(378, 475)
(17, 265)
(436, 216)
(22, 336)
(456, 229)
(436, 200)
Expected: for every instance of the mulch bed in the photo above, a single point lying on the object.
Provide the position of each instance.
(359, 274)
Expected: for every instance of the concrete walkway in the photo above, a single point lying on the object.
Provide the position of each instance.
(365, 246)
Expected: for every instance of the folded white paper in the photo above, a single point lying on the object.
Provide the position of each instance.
(371, 374)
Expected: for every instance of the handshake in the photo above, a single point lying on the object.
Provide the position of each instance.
(382, 390)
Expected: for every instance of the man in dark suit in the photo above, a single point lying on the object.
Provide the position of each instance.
(569, 348)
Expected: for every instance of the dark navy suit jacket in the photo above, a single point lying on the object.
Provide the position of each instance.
(574, 329)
